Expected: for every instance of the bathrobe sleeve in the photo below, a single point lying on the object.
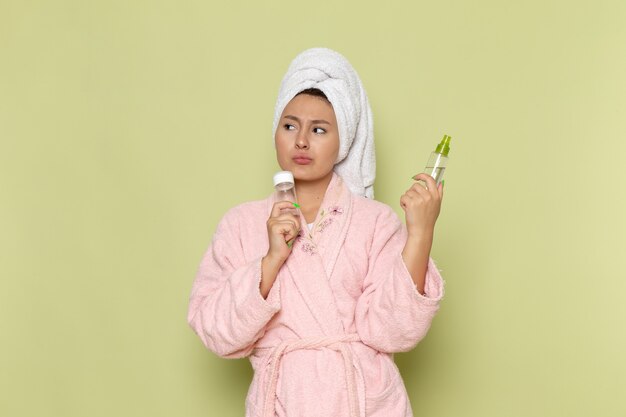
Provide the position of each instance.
(226, 308)
(391, 315)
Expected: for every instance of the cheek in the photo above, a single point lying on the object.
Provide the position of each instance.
(334, 149)
(280, 145)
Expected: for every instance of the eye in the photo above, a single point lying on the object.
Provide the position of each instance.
(287, 126)
(319, 130)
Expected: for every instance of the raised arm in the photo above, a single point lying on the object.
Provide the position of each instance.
(391, 314)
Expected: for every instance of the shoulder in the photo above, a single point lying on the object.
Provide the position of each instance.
(374, 219)
(372, 209)
(373, 223)
(248, 208)
(245, 214)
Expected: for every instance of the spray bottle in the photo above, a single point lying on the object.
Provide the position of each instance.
(436, 164)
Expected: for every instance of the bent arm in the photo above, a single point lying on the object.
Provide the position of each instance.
(226, 308)
(391, 314)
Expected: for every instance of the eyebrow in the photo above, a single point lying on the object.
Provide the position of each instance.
(312, 121)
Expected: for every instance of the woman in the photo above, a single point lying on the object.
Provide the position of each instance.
(320, 309)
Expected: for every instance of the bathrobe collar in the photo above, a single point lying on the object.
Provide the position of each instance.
(314, 254)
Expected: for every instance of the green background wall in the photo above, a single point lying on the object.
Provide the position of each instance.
(128, 128)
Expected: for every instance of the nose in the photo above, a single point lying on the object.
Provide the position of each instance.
(302, 141)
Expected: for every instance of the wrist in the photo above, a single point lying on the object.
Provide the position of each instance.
(272, 261)
(417, 235)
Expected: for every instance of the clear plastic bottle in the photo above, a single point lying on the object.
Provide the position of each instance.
(285, 189)
(438, 160)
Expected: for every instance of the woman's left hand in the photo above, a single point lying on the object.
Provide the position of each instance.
(421, 206)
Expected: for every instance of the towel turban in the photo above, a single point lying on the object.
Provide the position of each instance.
(330, 72)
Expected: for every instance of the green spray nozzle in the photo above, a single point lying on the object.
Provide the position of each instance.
(444, 146)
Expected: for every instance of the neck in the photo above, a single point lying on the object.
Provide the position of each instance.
(310, 195)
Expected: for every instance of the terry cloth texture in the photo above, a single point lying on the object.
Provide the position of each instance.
(341, 305)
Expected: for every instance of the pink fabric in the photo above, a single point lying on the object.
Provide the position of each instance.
(269, 409)
(322, 342)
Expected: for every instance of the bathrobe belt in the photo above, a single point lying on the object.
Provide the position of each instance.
(336, 343)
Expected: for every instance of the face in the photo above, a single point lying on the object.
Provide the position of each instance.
(307, 138)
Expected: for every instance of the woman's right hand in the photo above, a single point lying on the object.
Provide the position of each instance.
(282, 229)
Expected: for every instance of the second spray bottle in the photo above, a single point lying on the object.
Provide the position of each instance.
(436, 165)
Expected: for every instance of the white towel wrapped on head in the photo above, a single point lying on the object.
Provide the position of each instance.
(330, 72)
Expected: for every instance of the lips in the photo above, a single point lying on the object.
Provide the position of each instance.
(302, 160)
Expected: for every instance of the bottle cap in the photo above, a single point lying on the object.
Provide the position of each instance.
(444, 146)
(283, 176)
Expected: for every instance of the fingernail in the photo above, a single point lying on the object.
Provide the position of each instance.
(296, 205)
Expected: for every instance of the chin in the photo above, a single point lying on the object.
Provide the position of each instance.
(310, 176)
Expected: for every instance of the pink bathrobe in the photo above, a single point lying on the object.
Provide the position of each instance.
(321, 344)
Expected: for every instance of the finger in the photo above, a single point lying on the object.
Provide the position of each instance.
(287, 216)
(422, 176)
(280, 205)
(409, 198)
(431, 184)
(284, 225)
(284, 236)
(291, 235)
(418, 190)
(404, 200)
